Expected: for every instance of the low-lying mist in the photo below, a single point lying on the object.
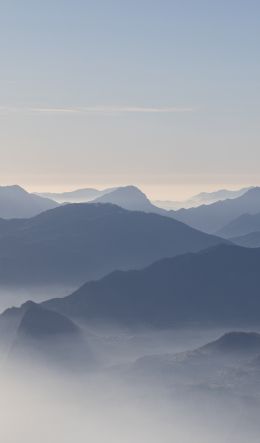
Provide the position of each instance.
(114, 403)
(49, 407)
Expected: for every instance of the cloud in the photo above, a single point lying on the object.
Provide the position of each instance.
(95, 110)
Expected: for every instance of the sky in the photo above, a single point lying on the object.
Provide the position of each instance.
(161, 94)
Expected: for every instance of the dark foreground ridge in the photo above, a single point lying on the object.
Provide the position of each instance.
(219, 286)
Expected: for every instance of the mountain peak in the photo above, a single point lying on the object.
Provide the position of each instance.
(13, 188)
(129, 197)
(39, 322)
(16, 202)
(127, 190)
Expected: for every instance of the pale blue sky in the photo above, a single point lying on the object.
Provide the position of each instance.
(162, 94)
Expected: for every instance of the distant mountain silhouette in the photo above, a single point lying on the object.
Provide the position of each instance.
(78, 196)
(131, 198)
(204, 198)
(45, 336)
(219, 286)
(243, 225)
(251, 240)
(77, 242)
(212, 218)
(38, 322)
(15, 202)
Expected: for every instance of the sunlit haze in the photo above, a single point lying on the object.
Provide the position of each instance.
(147, 93)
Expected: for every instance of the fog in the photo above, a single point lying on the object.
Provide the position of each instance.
(114, 403)
(49, 408)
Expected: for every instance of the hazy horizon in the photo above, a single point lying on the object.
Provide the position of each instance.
(153, 94)
(153, 192)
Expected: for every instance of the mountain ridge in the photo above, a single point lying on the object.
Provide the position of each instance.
(16, 202)
(205, 198)
(77, 242)
(210, 287)
(212, 218)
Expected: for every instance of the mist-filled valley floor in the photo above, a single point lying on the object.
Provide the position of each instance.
(128, 397)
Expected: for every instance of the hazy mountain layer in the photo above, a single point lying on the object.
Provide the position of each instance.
(78, 196)
(15, 202)
(131, 198)
(204, 198)
(243, 225)
(212, 218)
(77, 242)
(251, 240)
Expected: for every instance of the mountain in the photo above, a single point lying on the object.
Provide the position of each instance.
(78, 196)
(231, 346)
(38, 322)
(127, 197)
(47, 337)
(251, 240)
(243, 225)
(77, 242)
(219, 286)
(221, 363)
(131, 198)
(31, 320)
(204, 198)
(15, 202)
(212, 218)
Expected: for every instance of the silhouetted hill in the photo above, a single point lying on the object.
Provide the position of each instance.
(15, 202)
(131, 198)
(204, 198)
(77, 242)
(212, 218)
(219, 286)
(38, 322)
(78, 196)
(243, 225)
(46, 337)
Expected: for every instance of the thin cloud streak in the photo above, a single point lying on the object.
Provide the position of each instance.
(104, 110)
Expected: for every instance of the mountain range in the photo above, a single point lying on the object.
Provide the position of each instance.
(240, 226)
(77, 242)
(83, 195)
(219, 217)
(218, 286)
(204, 198)
(213, 218)
(131, 198)
(209, 218)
